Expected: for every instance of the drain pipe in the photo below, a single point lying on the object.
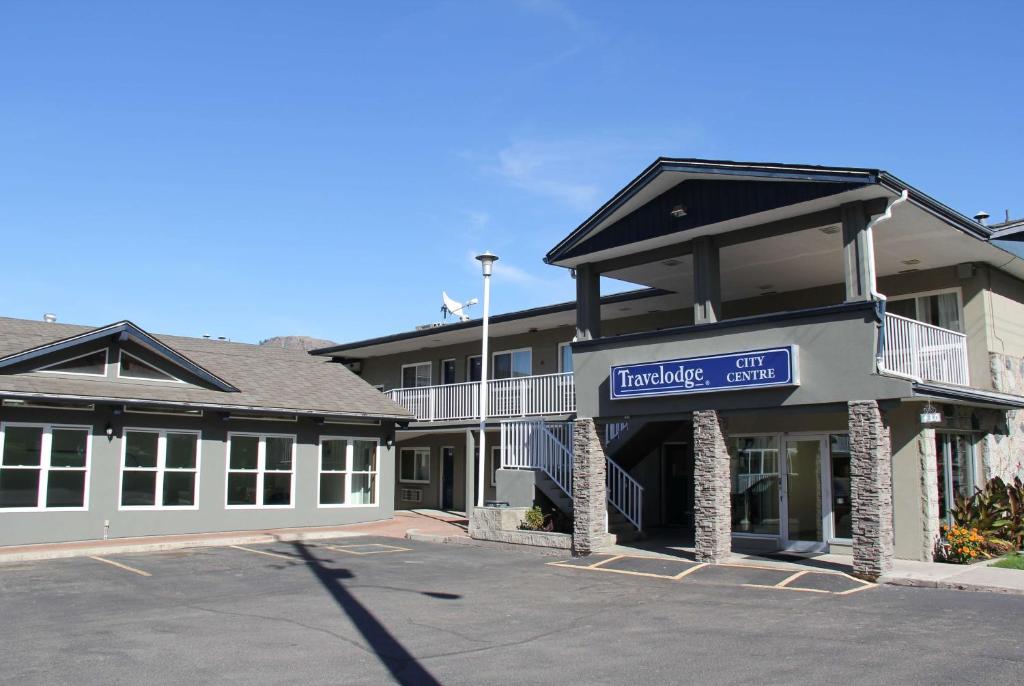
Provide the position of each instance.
(875, 295)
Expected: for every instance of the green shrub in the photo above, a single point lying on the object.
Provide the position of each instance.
(534, 520)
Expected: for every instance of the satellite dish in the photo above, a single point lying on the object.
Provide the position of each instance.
(454, 308)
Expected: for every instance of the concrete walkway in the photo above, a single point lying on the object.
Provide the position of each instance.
(977, 577)
(403, 524)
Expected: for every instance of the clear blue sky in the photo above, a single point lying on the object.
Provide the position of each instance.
(252, 168)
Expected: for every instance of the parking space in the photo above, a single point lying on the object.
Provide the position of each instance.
(744, 575)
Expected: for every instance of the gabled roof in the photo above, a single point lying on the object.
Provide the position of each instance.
(665, 173)
(124, 331)
(261, 378)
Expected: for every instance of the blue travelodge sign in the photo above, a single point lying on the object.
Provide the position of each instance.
(731, 371)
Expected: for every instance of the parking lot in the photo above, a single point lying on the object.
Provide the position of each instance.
(378, 610)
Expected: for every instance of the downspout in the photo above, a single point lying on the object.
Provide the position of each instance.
(873, 282)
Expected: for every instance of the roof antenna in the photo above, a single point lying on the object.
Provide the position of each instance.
(980, 217)
(456, 309)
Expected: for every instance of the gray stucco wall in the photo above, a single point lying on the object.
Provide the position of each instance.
(212, 515)
(431, 491)
(836, 359)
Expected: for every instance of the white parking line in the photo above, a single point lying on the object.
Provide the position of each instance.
(263, 552)
(118, 564)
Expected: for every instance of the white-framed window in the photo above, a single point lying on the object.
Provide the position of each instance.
(348, 471)
(44, 467)
(943, 308)
(131, 367)
(448, 371)
(159, 469)
(565, 357)
(417, 375)
(955, 469)
(414, 465)
(93, 363)
(512, 363)
(261, 470)
(495, 463)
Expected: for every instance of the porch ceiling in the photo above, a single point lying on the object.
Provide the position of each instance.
(814, 257)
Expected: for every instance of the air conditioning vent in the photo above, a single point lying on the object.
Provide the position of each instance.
(411, 495)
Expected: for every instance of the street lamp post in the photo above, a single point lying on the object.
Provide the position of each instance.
(487, 260)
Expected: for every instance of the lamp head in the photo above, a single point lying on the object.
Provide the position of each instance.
(487, 260)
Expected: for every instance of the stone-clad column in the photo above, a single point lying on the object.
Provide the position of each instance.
(870, 490)
(712, 505)
(589, 489)
(929, 495)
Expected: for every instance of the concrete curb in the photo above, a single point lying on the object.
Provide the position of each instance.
(58, 550)
(948, 584)
(417, 535)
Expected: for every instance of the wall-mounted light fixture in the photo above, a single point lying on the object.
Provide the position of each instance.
(109, 431)
(930, 415)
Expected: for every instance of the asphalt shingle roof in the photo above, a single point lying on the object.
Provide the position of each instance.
(267, 377)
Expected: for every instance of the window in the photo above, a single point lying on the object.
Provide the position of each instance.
(131, 367)
(495, 464)
(348, 471)
(44, 467)
(954, 467)
(90, 364)
(448, 371)
(473, 372)
(513, 363)
(938, 309)
(260, 470)
(565, 357)
(415, 465)
(842, 513)
(754, 468)
(159, 469)
(416, 375)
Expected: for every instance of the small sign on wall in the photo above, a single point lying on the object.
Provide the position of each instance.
(769, 368)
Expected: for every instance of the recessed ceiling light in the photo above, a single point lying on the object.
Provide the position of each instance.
(770, 293)
(625, 309)
(678, 211)
(829, 230)
(911, 262)
(766, 287)
(671, 263)
(907, 271)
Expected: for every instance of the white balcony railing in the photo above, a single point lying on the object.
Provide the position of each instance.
(520, 396)
(931, 353)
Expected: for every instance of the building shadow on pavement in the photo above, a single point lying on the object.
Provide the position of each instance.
(404, 667)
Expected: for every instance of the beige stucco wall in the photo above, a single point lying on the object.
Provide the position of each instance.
(435, 441)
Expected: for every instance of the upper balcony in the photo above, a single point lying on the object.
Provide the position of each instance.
(921, 351)
(521, 396)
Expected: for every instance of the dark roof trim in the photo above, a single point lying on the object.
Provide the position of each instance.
(796, 172)
(494, 319)
(855, 306)
(930, 204)
(1011, 231)
(131, 331)
(149, 402)
(1002, 400)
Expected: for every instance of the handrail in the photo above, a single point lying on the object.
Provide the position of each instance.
(625, 493)
(520, 396)
(924, 351)
(543, 445)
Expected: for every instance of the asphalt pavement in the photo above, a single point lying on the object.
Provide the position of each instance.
(380, 610)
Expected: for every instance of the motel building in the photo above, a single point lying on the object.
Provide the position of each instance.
(814, 359)
(112, 432)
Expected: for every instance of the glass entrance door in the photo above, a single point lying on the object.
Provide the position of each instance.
(803, 493)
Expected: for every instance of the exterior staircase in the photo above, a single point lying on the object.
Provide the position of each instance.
(546, 448)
